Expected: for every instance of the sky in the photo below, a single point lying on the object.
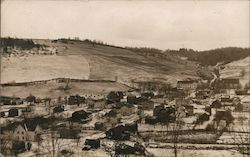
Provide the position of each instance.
(195, 24)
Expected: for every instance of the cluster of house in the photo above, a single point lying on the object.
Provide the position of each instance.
(164, 108)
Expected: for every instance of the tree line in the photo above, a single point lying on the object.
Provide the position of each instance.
(214, 56)
(25, 44)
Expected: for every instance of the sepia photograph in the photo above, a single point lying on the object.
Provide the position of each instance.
(125, 78)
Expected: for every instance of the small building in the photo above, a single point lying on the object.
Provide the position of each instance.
(164, 114)
(2, 114)
(18, 147)
(10, 100)
(123, 149)
(226, 100)
(93, 143)
(80, 116)
(201, 94)
(189, 110)
(122, 132)
(31, 99)
(58, 109)
(216, 104)
(114, 96)
(229, 83)
(75, 100)
(152, 120)
(99, 126)
(131, 99)
(187, 85)
(69, 133)
(202, 118)
(241, 92)
(23, 132)
(13, 112)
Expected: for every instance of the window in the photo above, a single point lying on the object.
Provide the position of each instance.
(22, 132)
(23, 138)
(18, 132)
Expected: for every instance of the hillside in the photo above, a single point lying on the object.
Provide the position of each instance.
(214, 56)
(237, 69)
(54, 89)
(85, 60)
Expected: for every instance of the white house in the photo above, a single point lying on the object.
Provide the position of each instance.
(24, 133)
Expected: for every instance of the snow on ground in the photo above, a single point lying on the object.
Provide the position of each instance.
(42, 67)
(194, 153)
(240, 68)
(71, 144)
(234, 138)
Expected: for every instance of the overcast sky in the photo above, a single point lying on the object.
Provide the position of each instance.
(161, 24)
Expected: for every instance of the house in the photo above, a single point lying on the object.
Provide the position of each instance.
(26, 109)
(226, 100)
(10, 100)
(131, 99)
(189, 110)
(114, 96)
(13, 112)
(164, 114)
(99, 126)
(201, 94)
(216, 104)
(126, 149)
(152, 120)
(22, 131)
(122, 132)
(69, 133)
(2, 114)
(174, 93)
(58, 109)
(229, 83)
(31, 99)
(93, 143)
(76, 100)
(18, 147)
(187, 85)
(241, 92)
(202, 118)
(80, 116)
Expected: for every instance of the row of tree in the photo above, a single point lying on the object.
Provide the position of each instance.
(25, 44)
(212, 57)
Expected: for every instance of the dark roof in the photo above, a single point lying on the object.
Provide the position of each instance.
(13, 126)
(187, 81)
(230, 80)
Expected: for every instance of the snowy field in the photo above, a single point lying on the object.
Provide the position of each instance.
(194, 153)
(42, 67)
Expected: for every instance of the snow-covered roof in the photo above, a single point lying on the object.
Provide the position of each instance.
(246, 99)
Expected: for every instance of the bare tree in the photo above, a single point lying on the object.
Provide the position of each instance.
(241, 137)
(5, 142)
(51, 145)
(177, 127)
